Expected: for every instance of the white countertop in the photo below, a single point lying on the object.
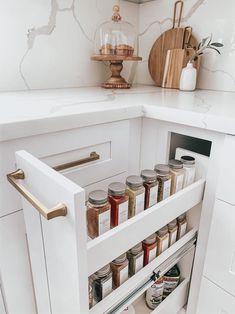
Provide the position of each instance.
(37, 112)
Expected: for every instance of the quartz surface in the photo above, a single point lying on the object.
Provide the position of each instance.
(36, 112)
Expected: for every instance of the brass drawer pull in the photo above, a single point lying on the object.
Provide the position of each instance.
(59, 210)
(93, 156)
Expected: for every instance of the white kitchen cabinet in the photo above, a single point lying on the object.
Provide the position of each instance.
(213, 300)
(2, 305)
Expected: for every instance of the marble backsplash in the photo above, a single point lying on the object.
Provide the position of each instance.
(205, 16)
(48, 43)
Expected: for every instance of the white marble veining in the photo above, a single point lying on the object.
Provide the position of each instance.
(206, 17)
(36, 112)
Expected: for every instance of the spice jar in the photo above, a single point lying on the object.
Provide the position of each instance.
(182, 226)
(119, 203)
(190, 169)
(162, 240)
(136, 259)
(177, 175)
(151, 187)
(150, 249)
(119, 268)
(102, 283)
(90, 291)
(172, 229)
(98, 213)
(154, 294)
(135, 190)
(171, 280)
(164, 181)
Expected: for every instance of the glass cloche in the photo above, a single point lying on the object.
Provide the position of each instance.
(116, 37)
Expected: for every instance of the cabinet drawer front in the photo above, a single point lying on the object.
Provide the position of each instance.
(220, 259)
(213, 300)
(225, 190)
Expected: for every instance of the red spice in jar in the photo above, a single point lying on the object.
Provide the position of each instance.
(150, 249)
(151, 187)
(119, 203)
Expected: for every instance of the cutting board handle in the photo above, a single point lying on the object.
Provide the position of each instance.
(179, 4)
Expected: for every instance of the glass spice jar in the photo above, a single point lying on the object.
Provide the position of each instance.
(119, 268)
(162, 240)
(172, 229)
(136, 191)
(98, 213)
(118, 199)
(150, 249)
(177, 175)
(102, 283)
(182, 226)
(164, 181)
(136, 259)
(151, 187)
(190, 169)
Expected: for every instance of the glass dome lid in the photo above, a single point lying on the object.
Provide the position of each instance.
(116, 37)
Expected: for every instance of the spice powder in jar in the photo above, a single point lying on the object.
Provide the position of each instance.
(150, 249)
(190, 169)
(136, 191)
(136, 259)
(102, 283)
(162, 240)
(151, 187)
(172, 229)
(118, 199)
(182, 226)
(119, 268)
(164, 181)
(177, 175)
(98, 213)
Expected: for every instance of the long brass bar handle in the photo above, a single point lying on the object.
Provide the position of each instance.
(93, 156)
(57, 211)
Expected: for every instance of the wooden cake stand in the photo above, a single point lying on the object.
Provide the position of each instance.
(116, 66)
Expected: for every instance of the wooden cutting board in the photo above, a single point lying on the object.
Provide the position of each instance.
(171, 39)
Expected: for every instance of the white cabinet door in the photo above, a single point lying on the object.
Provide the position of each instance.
(60, 277)
(213, 300)
(2, 305)
(220, 259)
(16, 277)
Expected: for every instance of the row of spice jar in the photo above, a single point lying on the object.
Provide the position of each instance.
(128, 264)
(123, 201)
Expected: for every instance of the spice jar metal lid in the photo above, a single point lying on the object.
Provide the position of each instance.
(120, 259)
(181, 217)
(116, 188)
(148, 175)
(151, 239)
(188, 160)
(136, 249)
(175, 164)
(172, 224)
(103, 271)
(163, 231)
(162, 169)
(98, 197)
(134, 181)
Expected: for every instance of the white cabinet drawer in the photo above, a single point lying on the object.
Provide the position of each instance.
(220, 259)
(226, 186)
(213, 300)
(110, 141)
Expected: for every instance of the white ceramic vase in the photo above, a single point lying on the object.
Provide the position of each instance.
(188, 78)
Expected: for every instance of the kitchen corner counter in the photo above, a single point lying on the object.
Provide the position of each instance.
(37, 112)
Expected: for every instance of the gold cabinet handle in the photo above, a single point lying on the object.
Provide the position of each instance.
(57, 211)
(93, 156)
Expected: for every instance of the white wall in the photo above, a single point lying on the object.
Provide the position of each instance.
(206, 17)
(48, 43)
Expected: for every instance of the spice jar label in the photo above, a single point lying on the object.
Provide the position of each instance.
(123, 212)
(166, 189)
(179, 182)
(189, 176)
(182, 230)
(154, 294)
(165, 244)
(123, 275)
(104, 222)
(173, 236)
(153, 196)
(152, 254)
(139, 263)
(170, 283)
(106, 287)
(139, 207)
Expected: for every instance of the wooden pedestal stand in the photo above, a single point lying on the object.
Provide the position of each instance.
(116, 66)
